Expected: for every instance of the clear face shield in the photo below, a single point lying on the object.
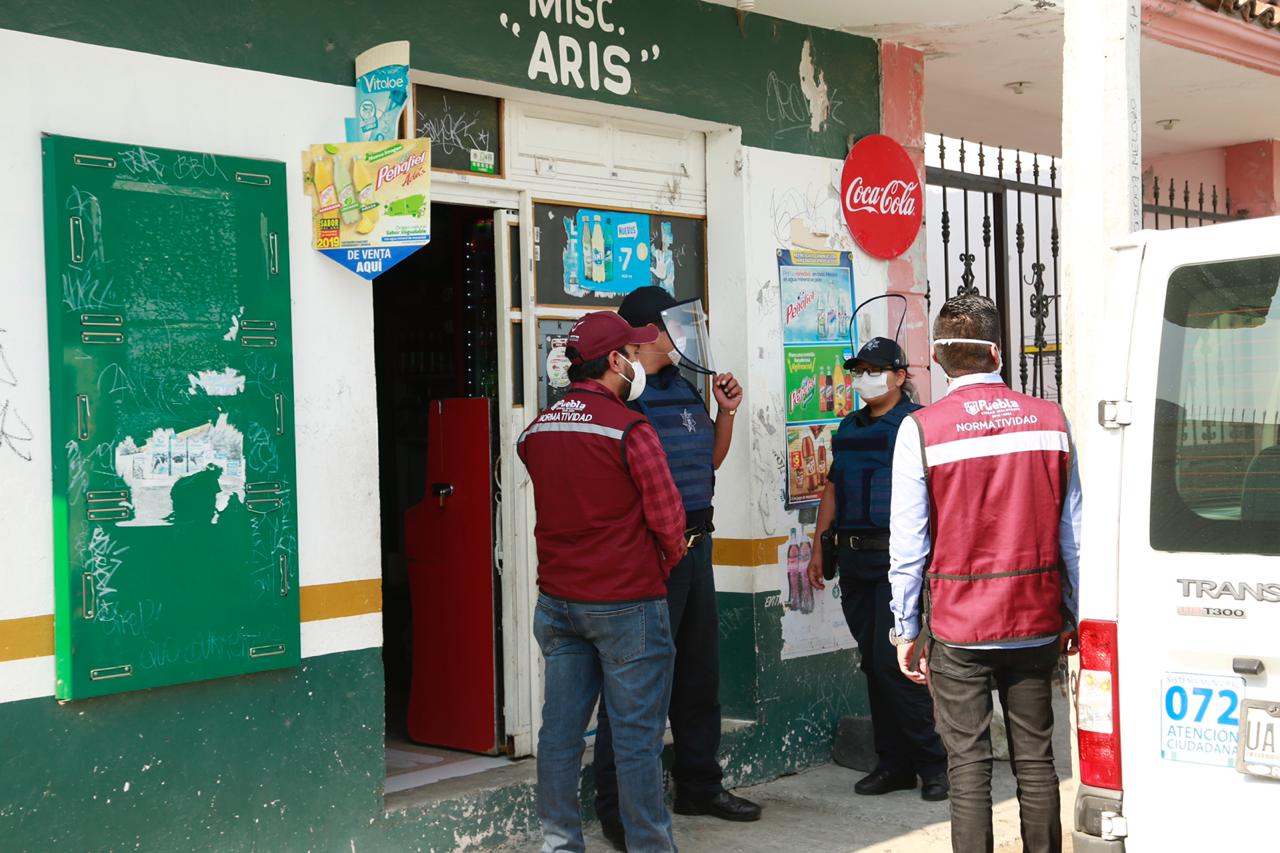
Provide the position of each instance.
(853, 321)
(686, 325)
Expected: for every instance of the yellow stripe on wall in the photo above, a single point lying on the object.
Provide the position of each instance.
(29, 637)
(746, 552)
(32, 636)
(347, 598)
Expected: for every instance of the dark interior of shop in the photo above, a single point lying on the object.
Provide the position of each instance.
(435, 338)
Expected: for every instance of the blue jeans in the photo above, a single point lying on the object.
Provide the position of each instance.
(695, 690)
(626, 651)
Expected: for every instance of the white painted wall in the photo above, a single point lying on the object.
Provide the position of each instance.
(63, 87)
(786, 198)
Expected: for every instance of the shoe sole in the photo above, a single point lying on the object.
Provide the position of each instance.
(688, 811)
(933, 798)
(883, 791)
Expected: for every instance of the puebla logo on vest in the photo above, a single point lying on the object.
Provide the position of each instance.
(689, 423)
(1001, 406)
(567, 410)
(994, 414)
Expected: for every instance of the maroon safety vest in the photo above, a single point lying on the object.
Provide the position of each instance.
(997, 465)
(593, 543)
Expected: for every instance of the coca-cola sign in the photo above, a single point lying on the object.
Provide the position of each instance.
(881, 196)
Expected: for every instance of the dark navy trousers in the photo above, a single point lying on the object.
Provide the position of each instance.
(901, 711)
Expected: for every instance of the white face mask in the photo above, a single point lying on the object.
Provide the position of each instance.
(999, 356)
(636, 380)
(872, 387)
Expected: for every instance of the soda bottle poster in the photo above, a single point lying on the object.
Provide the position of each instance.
(817, 298)
(812, 620)
(370, 201)
(819, 389)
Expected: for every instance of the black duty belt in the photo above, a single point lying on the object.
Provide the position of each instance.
(693, 535)
(874, 540)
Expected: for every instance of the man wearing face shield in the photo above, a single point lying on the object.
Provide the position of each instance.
(610, 527)
(695, 447)
(855, 507)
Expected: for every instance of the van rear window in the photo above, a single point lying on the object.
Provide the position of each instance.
(1216, 459)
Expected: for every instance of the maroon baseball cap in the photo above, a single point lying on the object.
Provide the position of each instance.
(602, 332)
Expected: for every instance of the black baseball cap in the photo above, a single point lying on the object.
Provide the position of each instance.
(879, 352)
(645, 305)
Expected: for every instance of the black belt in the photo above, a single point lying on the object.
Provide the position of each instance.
(875, 540)
(693, 535)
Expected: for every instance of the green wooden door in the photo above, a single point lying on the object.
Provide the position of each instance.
(175, 513)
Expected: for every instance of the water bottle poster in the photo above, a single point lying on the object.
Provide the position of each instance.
(593, 257)
(812, 620)
(817, 296)
(370, 201)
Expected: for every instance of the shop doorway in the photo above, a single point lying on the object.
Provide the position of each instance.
(436, 354)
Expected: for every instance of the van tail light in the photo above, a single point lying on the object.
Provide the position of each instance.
(1098, 705)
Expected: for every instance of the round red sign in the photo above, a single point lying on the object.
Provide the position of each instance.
(881, 196)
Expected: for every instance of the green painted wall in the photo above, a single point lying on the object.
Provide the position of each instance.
(737, 655)
(292, 760)
(800, 702)
(281, 761)
(706, 68)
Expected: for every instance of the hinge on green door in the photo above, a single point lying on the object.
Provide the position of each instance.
(263, 497)
(108, 506)
(122, 671)
(101, 321)
(257, 340)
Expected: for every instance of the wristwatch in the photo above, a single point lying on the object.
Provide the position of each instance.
(896, 640)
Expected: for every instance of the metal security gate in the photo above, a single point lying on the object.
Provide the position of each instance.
(992, 220)
(996, 234)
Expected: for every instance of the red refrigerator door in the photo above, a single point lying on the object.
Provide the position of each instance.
(449, 544)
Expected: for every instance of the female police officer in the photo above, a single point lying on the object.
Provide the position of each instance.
(855, 504)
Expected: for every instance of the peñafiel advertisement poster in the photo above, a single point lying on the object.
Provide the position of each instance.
(370, 201)
(817, 292)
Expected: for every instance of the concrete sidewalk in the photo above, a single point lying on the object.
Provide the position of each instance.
(817, 812)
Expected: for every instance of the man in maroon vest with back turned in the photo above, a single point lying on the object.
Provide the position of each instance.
(984, 564)
(610, 527)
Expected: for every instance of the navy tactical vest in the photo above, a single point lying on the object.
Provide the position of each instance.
(863, 468)
(687, 433)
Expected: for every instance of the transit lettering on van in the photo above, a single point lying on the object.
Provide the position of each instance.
(1268, 592)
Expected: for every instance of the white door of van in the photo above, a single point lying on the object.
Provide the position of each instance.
(1198, 635)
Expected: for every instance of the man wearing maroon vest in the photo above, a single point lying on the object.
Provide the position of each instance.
(610, 527)
(984, 564)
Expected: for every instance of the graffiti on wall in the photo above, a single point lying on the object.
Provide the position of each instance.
(16, 436)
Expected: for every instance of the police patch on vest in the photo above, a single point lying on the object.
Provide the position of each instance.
(687, 419)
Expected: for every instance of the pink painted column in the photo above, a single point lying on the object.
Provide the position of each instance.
(902, 118)
(1253, 174)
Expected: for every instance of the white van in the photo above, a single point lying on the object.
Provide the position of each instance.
(1178, 696)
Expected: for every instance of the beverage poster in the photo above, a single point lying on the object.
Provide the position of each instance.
(813, 622)
(370, 201)
(817, 292)
(593, 257)
(808, 461)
